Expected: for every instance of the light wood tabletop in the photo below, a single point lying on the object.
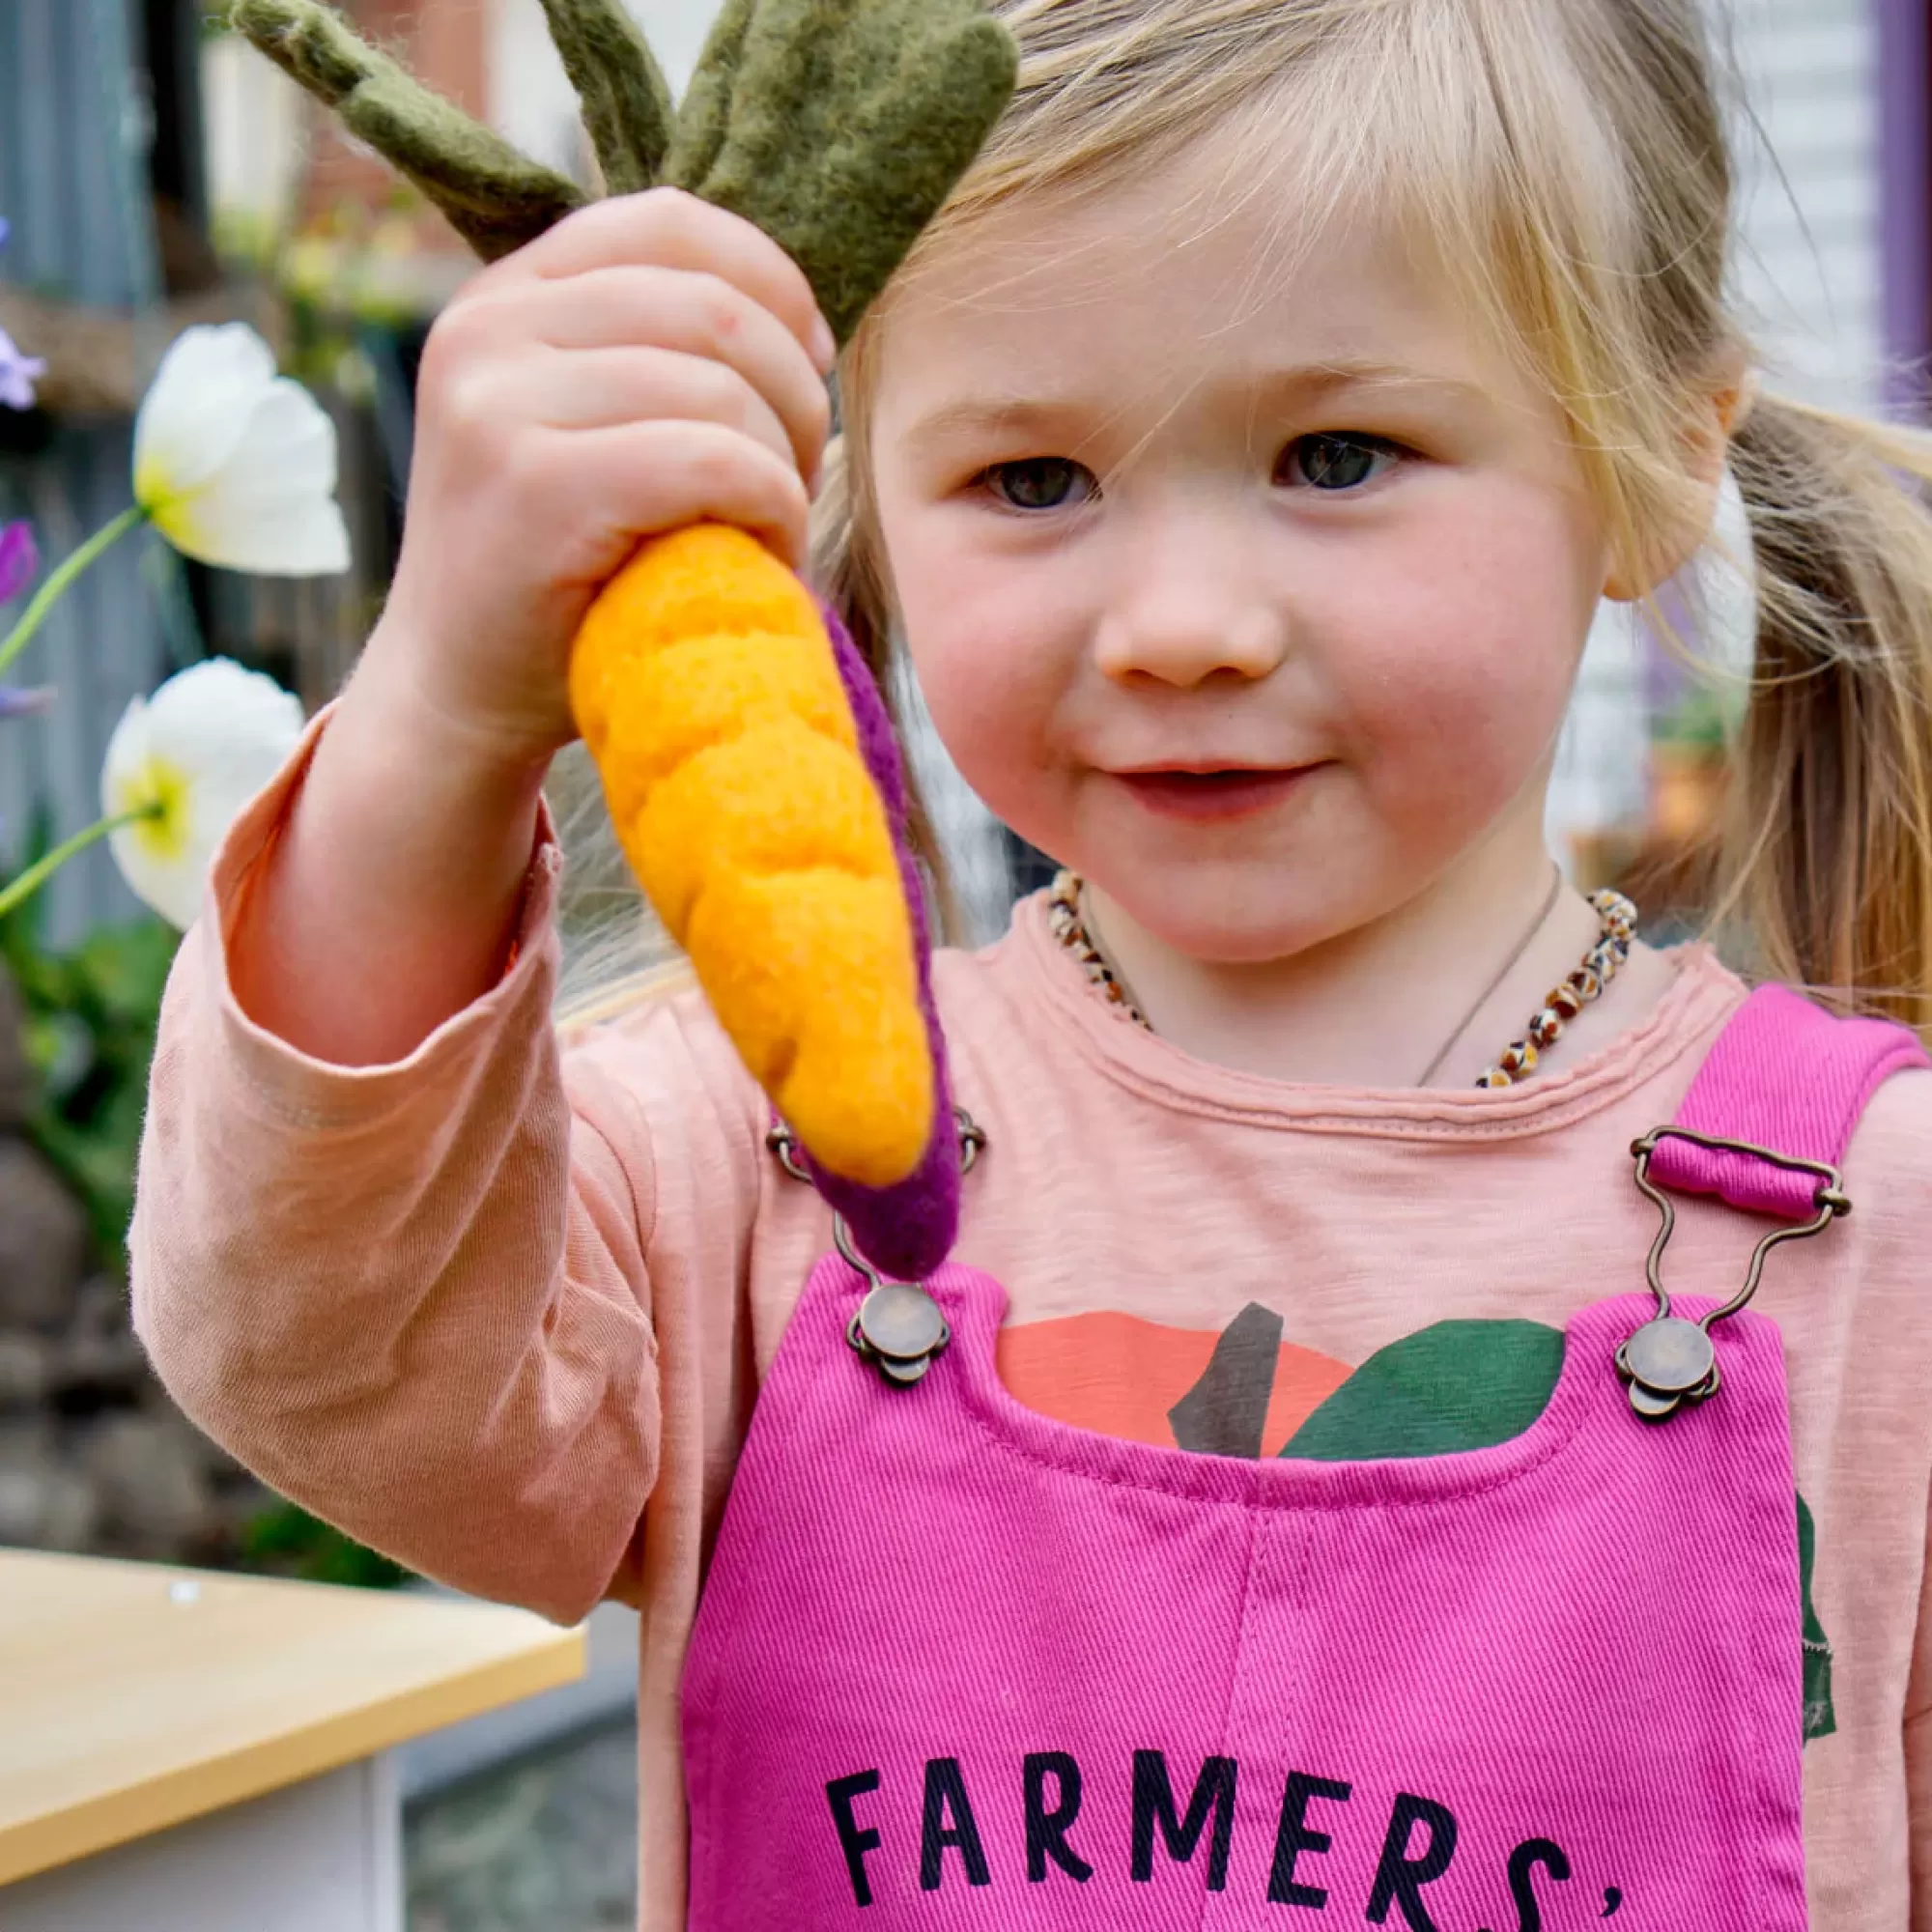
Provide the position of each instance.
(134, 1696)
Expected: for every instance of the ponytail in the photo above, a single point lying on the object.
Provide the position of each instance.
(844, 569)
(1825, 858)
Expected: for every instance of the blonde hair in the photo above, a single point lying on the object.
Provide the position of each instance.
(1565, 161)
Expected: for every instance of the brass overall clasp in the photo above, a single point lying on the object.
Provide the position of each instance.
(1669, 1361)
(898, 1327)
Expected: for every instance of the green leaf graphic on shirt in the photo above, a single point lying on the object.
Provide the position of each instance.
(1452, 1386)
(1820, 1718)
(1460, 1385)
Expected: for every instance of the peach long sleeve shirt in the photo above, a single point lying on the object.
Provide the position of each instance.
(501, 1308)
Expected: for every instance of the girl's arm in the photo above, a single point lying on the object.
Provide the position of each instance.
(411, 1293)
(1919, 1757)
(646, 364)
(377, 1251)
(388, 899)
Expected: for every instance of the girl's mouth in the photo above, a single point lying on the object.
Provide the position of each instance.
(1237, 792)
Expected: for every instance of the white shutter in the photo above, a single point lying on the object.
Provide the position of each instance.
(1808, 268)
(1805, 276)
(531, 100)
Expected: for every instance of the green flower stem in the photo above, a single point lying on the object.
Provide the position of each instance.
(19, 891)
(50, 592)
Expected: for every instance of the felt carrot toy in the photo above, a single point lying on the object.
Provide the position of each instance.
(745, 751)
(704, 683)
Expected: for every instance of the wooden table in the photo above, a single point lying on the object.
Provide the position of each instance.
(181, 1751)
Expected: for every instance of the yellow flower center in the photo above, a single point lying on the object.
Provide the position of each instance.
(151, 486)
(171, 511)
(158, 790)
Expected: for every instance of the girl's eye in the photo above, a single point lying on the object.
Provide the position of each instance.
(1041, 483)
(1334, 461)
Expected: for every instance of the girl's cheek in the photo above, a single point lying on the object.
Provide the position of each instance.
(985, 660)
(1461, 665)
(976, 698)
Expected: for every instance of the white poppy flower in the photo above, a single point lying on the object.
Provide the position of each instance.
(235, 465)
(192, 757)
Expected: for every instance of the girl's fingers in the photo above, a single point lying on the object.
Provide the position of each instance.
(669, 229)
(699, 314)
(649, 477)
(605, 389)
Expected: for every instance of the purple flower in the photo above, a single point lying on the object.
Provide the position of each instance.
(19, 559)
(16, 702)
(18, 373)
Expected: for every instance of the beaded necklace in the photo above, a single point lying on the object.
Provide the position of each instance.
(1517, 1060)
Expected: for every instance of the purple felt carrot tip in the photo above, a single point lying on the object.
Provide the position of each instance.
(906, 1231)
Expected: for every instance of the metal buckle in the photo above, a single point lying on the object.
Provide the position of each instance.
(783, 1143)
(1669, 1361)
(898, 1327)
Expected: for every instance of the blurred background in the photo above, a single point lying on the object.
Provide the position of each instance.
(156, 172)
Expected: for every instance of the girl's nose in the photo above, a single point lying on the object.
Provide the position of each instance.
(1184, 639)
(1185, 603)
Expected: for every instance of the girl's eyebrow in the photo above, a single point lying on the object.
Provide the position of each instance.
(1016, 414)
(1323, 378)
(1333, 379)
(983, 414)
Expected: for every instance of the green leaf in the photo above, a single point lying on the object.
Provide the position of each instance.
(627, 105)
(1454, 1387)
(1821, 1718)
(285, 1541)
(89, 1018)
(496, 197)
(838, 127)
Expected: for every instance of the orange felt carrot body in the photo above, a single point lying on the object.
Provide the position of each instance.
(706, 690)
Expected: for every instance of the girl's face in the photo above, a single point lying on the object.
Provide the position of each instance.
(1252, 592)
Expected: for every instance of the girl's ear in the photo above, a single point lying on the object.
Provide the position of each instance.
(1706, 449)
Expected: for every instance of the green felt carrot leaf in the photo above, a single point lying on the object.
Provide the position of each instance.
(838, 127)
(496, 197)
(703, 679)
(704, 113)
(627, 105)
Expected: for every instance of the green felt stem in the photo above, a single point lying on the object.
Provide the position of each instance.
(706, 111)
(627, 104)
(845, 125)
(496, 197)
(838, 127)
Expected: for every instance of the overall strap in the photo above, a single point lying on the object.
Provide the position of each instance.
(1787, 1076)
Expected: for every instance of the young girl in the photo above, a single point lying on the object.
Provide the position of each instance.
(1305, 1519)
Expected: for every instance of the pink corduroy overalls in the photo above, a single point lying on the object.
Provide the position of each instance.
(958, 1665)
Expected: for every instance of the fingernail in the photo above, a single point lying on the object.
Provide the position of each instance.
(824, 346)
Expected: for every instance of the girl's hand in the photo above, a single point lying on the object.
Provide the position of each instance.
(648, 363)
